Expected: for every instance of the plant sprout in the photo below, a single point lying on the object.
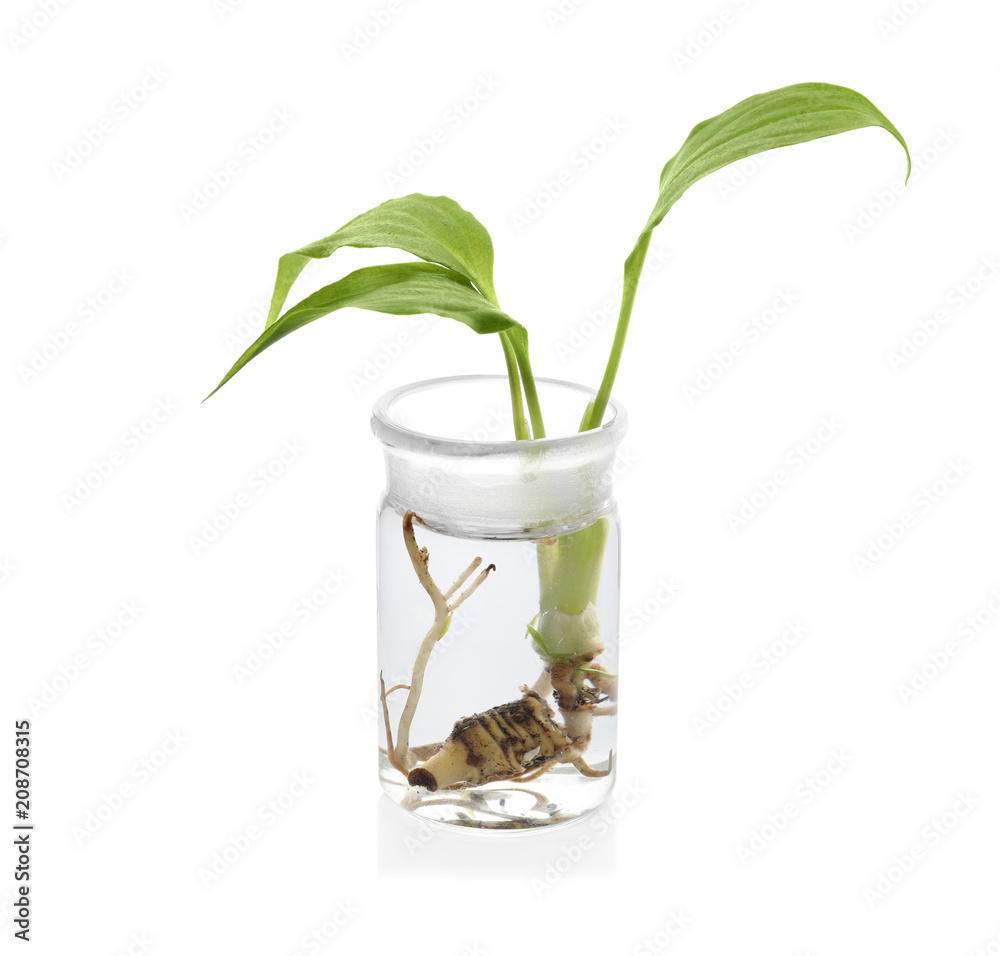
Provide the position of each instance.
(454, 279)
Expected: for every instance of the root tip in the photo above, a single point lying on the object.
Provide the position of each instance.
(419, 777)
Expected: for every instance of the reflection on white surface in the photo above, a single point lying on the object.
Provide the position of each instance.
(409, 846)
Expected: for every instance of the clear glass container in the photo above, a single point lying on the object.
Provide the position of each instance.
(498, 605)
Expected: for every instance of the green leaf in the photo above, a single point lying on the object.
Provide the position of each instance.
(783, 117)
(537, 639)
(404, 288)
(594, 670)
(433, 228)
(793, 114)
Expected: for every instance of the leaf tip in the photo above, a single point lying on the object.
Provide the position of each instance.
(229, 375)
(906, 149)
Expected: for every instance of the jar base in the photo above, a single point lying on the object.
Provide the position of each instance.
(560, 796)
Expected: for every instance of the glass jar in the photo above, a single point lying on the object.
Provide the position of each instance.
(498, 604)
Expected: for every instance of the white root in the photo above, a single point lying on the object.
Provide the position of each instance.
(401, 756)
(578, 723)
(588, 771)
(543, 686)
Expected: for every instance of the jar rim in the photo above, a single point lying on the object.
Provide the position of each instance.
(391, 433)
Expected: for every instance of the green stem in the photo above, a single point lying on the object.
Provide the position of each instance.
(567, 626)
(633, 267)
(519, 342)
(569, 569)
(521, 431)
(515, 353)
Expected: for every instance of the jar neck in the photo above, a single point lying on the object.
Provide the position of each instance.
(530, 493)
(438, 466)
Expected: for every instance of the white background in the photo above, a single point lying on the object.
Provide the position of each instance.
(666, 857)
